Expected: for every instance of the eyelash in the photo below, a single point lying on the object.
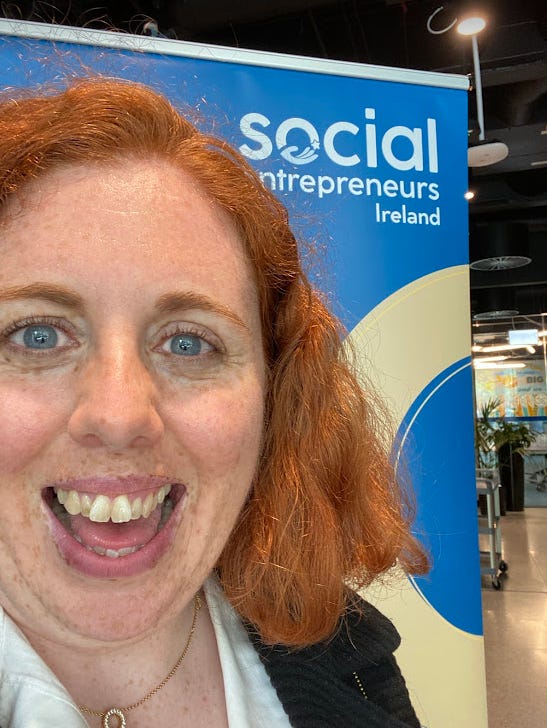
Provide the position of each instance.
(191, 330)
(36, 321)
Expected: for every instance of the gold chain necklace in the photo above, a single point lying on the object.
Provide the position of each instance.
(119, 713)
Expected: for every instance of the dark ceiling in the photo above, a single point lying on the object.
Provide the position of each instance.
(508, 215)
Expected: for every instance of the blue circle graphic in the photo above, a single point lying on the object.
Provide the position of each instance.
(442, 471)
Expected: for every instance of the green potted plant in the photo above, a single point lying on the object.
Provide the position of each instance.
(486, 459)
(485, 451)
(511, 441)
(503, 444)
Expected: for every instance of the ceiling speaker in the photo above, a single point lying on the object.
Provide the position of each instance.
(482, 155)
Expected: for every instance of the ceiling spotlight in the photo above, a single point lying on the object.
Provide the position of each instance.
(469, 195)
(485, 152)
(471, 24)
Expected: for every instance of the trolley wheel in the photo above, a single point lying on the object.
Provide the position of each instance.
(503, 566)
(496, 583)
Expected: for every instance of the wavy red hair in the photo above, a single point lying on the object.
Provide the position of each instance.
(325, 508)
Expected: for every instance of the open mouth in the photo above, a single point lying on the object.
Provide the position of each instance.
(95, 531)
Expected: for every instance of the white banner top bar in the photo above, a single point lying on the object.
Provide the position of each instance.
(109, 39)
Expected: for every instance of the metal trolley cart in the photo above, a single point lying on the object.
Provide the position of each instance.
(489, 487)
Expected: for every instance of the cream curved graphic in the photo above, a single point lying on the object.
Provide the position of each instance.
(411, 337)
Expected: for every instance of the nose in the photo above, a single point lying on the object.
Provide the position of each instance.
(116, 406)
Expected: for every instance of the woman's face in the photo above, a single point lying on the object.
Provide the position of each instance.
(130, 365)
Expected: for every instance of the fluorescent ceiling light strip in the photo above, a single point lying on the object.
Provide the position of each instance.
(501, 347)
(499, 365)
(501, 357)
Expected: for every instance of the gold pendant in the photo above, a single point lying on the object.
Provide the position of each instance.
(114, 713)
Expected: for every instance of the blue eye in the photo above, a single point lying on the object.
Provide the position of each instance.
(187, 345)
(40, 336)
(35, 336)
(188, 341)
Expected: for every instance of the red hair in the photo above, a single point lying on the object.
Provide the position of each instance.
(325, 508)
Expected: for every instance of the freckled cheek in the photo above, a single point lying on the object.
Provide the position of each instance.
(30, 419)
(221, 432)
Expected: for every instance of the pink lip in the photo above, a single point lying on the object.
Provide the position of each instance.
(92, 564)
(113, 485)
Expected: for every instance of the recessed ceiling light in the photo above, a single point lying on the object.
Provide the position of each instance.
(501, 262)
(490, 315)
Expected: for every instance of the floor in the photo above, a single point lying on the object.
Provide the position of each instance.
(515, 625)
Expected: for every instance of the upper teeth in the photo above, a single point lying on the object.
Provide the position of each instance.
(101, 508)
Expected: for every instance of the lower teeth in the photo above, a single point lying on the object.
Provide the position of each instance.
(111, 553)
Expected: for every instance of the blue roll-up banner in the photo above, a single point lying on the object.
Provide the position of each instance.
(372, 163)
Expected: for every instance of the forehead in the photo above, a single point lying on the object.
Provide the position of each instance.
(150, 216)
(123, 190)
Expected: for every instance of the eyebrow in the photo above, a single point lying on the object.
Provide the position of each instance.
(45, 291)
(180, 301)
(167, 303)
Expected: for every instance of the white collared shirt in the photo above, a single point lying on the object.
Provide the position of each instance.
(251, 700)
(31, 696)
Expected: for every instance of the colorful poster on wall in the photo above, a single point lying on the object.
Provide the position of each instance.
(371, 163)
(520, 392)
